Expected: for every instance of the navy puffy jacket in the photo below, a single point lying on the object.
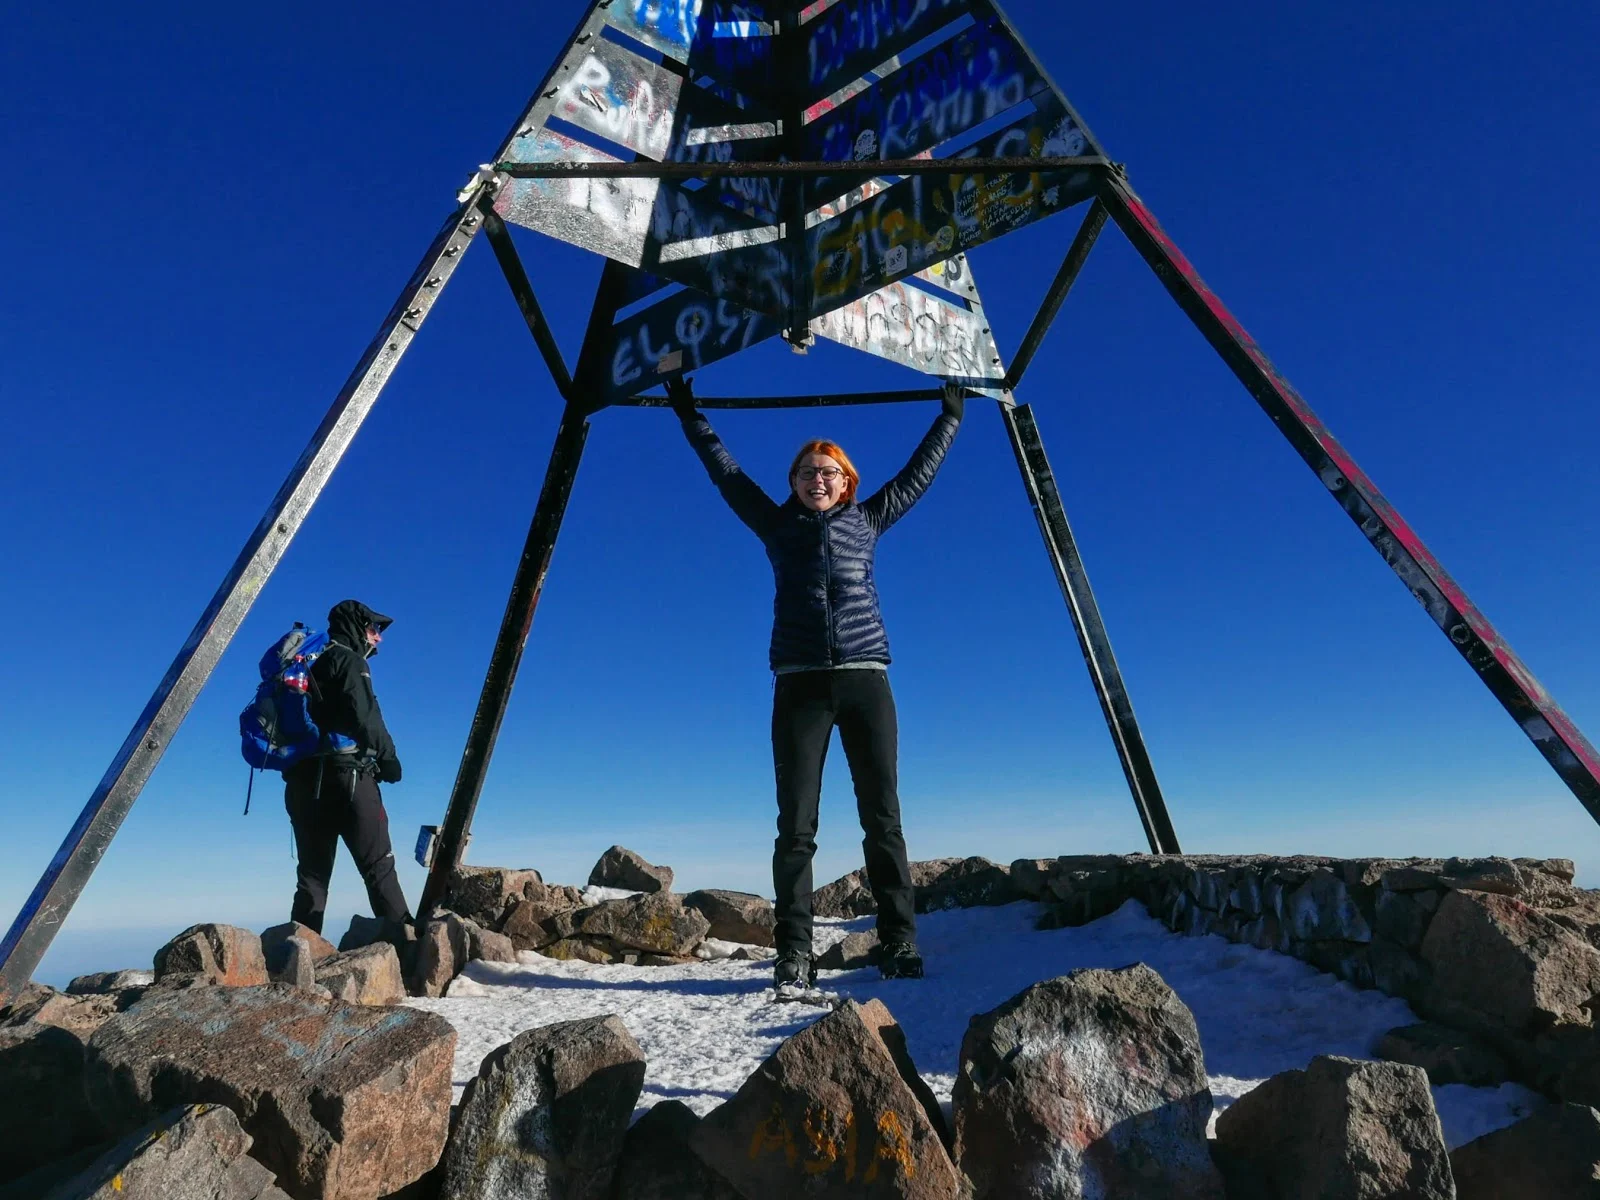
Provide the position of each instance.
(825, 611)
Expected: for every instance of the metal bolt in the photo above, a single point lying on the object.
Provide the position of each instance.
(413, 312)
(436, 281)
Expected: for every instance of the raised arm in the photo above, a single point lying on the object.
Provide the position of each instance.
(743, 494)
(895, 498)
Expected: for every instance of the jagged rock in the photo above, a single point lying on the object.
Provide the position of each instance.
(1447, 1055)
(1339, 1130)
(1496, 875)
(363, 931)
(622, 868)
(223, 955)
(735, 916)
(1553, 1153)
(1031, 877)
(547, 1114)
(1403, 917)
(43, 1110)
(485, 945)
(487, 894)
(297, 966)
(443, 948)
(830, 1114)
(105, 983)
(344, 1102)
(657, 1163)
(1498, 966)
(939, 883)
(844, 898)
(369, 975)
(192, 1153)
(657, 923)
(275, 946)
(853, 951)
(962, 883)
(1092, 1084)
(534, 924)
(1321, 909)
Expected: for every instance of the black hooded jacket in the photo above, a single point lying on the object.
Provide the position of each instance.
(825, 603)
(343, 700)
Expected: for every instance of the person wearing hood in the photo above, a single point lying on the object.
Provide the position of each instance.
(830, 657)
(335, 795)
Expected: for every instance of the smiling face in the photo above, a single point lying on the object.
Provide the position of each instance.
(819, 481)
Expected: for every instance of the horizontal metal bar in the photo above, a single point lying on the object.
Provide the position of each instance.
(645, 169)
(832, 401)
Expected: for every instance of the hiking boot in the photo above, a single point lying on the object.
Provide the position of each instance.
(794, 969)
(900, 960)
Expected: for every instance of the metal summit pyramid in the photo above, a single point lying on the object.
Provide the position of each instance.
(764, 168)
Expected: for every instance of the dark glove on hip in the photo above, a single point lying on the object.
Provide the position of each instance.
(680, 394)
(389, 771)
(954, 400)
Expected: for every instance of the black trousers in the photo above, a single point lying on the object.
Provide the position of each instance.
(806, 705)
(350, 807)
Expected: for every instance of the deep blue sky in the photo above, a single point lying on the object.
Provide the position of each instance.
(210, 209)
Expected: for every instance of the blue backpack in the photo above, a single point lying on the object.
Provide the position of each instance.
(275, 729)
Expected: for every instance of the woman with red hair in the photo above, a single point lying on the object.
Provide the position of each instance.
(830, 657)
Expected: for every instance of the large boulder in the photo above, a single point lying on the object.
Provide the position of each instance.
(224, 955)
(657, 1163)
(1341, 1129)
(655, 923)
(344, 1102)
(1498, 966)
(622, 868)
(835, 1112)
(735, 916)
(844, 898)
(547, 1115)
(1092, 1084)
(1447, 1055)
(44, 1113)
(367, 975)
(192, 1153)
(275, 948)
(487, 894)
(1553, 1153)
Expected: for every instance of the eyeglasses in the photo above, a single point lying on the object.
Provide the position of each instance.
(810, 473)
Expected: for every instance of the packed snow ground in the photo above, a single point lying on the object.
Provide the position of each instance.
(706, 1027)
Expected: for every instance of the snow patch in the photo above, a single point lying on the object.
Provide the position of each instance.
(706, 1026)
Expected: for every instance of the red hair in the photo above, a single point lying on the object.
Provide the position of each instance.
(852, 477)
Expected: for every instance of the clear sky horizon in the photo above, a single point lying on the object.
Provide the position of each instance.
(212, 209)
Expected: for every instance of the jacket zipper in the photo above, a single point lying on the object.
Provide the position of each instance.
(827, 579)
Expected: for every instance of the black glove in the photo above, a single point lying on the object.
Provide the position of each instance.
(954, 400)
(680, 394)
(389, 771)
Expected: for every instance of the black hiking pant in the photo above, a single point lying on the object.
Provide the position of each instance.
(350, 807)
(806, 705)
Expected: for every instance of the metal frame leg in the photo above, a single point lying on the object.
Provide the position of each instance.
(507, 657)
(1469, 631)
(63, 881)
(1093, 639)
